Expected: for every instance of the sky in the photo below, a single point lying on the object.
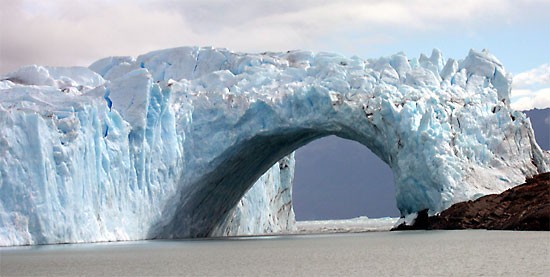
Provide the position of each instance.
(79, 32)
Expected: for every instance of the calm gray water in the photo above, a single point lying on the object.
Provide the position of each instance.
(471, 252)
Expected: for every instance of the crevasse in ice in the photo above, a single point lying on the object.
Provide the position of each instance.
(196, 141)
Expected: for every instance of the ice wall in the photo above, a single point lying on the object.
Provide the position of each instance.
(266, 207)
(167, 144)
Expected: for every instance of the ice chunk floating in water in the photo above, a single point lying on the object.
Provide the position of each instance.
(192, 142)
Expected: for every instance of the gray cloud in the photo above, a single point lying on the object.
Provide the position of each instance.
(66, 32)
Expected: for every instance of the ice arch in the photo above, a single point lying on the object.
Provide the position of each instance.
(435, 124)
(204, 204)
(164, 145)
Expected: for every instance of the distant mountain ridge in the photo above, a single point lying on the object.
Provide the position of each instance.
(540, 120)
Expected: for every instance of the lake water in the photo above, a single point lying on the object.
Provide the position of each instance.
(469, 252)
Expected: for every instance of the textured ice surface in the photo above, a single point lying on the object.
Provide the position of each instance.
(271, 199)
(166, 144)
(358, 224)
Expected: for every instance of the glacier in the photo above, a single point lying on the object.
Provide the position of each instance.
(199, 141)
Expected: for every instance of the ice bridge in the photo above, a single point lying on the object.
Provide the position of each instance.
(192, 142)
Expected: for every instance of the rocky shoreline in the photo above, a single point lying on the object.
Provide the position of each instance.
(525, 207)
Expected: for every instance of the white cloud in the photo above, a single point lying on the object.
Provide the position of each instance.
(536, 77)
(539, 99)
(68, 32)
(531, 89)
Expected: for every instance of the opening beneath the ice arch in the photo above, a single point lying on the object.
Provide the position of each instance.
(336, 178)
(339, 184)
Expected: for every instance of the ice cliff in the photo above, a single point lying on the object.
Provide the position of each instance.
(167, 144)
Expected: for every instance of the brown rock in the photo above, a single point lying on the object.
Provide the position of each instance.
(524, 207)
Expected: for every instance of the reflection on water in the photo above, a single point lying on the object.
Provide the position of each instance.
(471, 252)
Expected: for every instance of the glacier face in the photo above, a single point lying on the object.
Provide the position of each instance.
(266, 207)
(168, 143)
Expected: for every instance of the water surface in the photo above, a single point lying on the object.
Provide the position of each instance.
(469, 252)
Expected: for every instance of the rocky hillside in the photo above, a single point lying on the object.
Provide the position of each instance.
(525, 207)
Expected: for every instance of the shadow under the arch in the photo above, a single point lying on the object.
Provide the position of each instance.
(205, 203)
